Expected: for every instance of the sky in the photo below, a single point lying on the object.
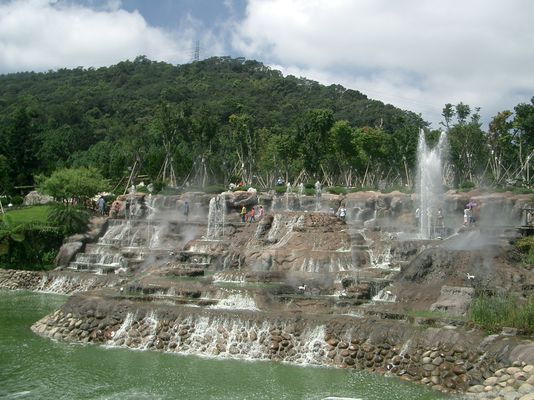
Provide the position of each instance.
(417, 55)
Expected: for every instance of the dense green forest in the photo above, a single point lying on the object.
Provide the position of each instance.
(224, 120)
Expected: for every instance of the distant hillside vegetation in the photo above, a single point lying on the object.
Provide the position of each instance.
(215, 120)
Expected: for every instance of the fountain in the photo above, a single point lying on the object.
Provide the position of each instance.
(287, 195)
(429, 184)
(318, 192)
(301, 194)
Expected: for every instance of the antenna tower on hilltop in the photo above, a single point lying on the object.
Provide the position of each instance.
(196, 52)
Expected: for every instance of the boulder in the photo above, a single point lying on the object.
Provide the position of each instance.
(35, 198)
(67, 253)
(454, 300)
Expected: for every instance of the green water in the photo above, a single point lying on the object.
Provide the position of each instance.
(32, 367)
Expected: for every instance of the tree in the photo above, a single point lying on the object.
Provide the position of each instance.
(73, 185)
(503, 152)
(243, 139)
(313, 132)
(343, 158)
(468, 145)
(524, 126)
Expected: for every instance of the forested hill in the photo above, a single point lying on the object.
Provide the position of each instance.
(235, 117)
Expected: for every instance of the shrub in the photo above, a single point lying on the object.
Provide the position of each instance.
(492, 313)
(69, 220)
(361, 189)
(525, 246)
(28, 245)
(141, 189)
(17, 200)
(214, 189)
(158, 186)
(466, 186)
(336, 190)
(399, 188)
(520, 190)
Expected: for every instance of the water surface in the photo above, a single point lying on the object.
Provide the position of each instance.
(32, 367)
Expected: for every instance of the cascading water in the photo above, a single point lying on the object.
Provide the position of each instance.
(216, 218)
(429, 183)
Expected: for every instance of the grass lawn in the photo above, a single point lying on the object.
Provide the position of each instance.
(29, 214)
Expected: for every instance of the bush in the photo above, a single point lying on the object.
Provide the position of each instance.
(69, 220)
(336, 190)
(141, 189)
(361, 189)
(493, 313)
(33, 247)
(280, 189)
(158, 186)
(17, 200)
(466, 186)
(525, 246)
(401, 188)
(214, 189)
(519, 190)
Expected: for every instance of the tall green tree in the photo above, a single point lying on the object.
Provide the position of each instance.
(524, 127)
(468, 145)
(313, 134)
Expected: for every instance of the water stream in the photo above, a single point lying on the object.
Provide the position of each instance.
(32, 367)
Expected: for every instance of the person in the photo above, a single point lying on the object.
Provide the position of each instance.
(102, 205)
(417, 217)
(440, 218)
(261, 213)
(467, 216)
(252, 215)
(243, 214)
(473, 212)
(342, 212)
(186, 210)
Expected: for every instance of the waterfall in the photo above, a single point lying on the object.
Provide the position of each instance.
(429, 183)
(124, 329)
(216, 218)
(314, 345)
(151, 323)
(236, 301)
(385, 296)
(282, 228)
(64, 284)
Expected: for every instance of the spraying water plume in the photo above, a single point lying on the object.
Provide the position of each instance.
(429, 183)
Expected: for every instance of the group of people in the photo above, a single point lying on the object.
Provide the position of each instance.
(250, 216)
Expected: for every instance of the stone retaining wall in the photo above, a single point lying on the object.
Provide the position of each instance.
(446, 361)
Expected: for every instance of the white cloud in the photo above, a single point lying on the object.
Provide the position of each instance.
(415, 54)
(41, 35)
